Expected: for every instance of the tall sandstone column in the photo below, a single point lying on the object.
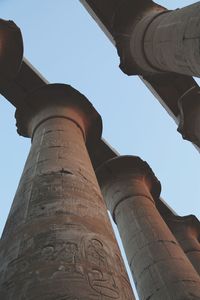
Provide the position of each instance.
(58, 243)
(159, 266)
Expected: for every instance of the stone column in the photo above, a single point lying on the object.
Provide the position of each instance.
(162, 41)
(187, 232)
(58, 242)
(159, 266)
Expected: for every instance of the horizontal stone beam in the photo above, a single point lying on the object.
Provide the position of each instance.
(24, 79)
(11, 51)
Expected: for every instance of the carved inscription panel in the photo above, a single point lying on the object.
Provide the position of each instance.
(68, 262)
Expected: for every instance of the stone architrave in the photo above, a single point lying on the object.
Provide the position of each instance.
(58, 242)
(160, 268)
(11, 51)
(187, 232)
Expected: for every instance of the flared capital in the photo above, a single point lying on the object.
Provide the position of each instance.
(184, 226)
(126, 169)
(11, 50)
(54, 101)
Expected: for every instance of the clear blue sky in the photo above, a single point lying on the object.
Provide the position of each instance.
(64, 43)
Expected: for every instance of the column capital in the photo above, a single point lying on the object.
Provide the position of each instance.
(58, 100)
(11, 52)
(190, 222)
(187, 232)
(127, 166)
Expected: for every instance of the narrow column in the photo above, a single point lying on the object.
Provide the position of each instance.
(187, 232)
(58, 242)
(160, 268)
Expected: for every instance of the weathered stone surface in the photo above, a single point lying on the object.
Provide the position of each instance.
(162, 41)
(11, 51)
(58, 242)
(159, 266)
(189, 121)
(187, 232)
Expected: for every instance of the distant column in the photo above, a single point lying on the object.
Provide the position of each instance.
(58, 242)
(160, 268)
(187, 232)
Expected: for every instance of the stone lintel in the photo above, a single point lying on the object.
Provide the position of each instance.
(11, 52)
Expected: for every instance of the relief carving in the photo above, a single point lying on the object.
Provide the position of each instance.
(68, 252)
(100, 277)
(96, 254)
(85, 259)
(14, 270)
(68, 255)
(103, 283)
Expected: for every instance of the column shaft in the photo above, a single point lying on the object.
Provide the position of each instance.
(159, 266)
(58, 242)
(187, 232)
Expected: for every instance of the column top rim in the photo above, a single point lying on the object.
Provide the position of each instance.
(117, 167)
(189, 220)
